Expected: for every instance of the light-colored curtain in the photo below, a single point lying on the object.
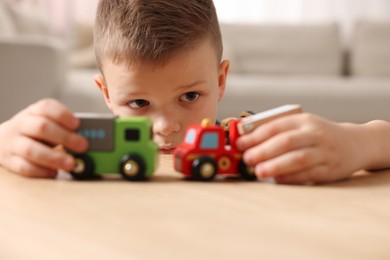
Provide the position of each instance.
(296, 11)
(64, 13)
(344, 12)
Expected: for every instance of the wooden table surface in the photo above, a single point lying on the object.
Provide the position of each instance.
(171, 218)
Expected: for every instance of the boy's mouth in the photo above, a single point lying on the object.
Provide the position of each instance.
(166, 150)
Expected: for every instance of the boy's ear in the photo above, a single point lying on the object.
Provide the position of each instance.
(222, 76)
(102, 85)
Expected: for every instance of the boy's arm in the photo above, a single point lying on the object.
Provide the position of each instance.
(377, 144)
(28, 138)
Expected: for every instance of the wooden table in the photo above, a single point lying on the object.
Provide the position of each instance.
(170, 218)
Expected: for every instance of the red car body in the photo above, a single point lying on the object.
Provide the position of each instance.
(205, 153)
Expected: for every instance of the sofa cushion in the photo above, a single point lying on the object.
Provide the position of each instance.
(284, 49)
(370, 51)
(7, 26)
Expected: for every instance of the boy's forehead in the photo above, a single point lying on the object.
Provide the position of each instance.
(203, 50)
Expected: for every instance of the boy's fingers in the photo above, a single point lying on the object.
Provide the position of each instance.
(46, 130)
(26, 168)
(275, 146)
(268, 130)
(291, 162)
(41, 155)
(55, 111)
(317, 174)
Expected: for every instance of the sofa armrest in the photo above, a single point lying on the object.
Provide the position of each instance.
(31, 68)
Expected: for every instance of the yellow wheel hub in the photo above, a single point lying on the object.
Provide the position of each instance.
(131, 168)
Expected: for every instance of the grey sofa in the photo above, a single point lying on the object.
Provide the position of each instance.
(310, 65)
(30, 68)
(271, 66)
(32, 62)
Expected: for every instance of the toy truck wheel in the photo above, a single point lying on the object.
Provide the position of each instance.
(133, 167)
(247, 172)
(84, 168)
(204, 169)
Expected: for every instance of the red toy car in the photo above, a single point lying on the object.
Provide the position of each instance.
(204, 153)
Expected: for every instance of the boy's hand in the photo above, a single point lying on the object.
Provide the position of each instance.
(28, 139)
(304, 148)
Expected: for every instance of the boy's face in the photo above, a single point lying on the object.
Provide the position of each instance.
(182, 92)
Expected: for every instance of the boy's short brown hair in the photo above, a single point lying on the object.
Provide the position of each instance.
(152, 31)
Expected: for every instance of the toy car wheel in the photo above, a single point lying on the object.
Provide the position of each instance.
(84, 168)
(204, 169)
(247, 172)
(133, 167)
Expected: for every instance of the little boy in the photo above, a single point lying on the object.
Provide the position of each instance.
(162, 59)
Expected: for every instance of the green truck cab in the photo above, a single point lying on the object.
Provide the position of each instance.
(116, 145)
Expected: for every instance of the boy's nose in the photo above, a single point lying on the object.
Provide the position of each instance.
(165, 125)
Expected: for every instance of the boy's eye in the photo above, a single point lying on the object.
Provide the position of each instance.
(189, 96)
(138, 103)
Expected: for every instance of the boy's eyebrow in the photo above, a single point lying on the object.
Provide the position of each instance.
(192, 84)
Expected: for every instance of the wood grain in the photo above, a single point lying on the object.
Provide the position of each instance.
(171, 218)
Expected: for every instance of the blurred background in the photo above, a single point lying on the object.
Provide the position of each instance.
(331, 56)
(62, 16)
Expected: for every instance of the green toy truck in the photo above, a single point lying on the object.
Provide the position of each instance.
(116, 145)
